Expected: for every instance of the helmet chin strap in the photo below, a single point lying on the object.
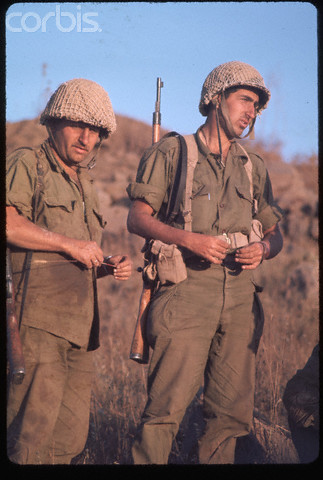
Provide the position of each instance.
(228, 124)
(52, 139)
(92, 162)
(219, 136)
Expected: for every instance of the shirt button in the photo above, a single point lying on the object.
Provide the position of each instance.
(221, 205)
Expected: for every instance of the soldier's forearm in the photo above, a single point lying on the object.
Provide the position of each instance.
(23, 233)
(142, 223)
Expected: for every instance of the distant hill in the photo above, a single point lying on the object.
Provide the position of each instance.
(295, 185)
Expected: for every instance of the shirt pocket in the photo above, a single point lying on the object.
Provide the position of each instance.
(202, 211)
(96, 224)
(66, 204)
(244, 193)
(246, 207)
(59, 213)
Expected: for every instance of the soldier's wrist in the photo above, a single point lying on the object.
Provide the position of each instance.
(266, 251)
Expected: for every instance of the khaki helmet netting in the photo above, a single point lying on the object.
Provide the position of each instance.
(232, 74)
(81, 100)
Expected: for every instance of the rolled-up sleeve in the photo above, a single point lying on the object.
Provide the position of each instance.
(20, 182)
(268, 217)
(155, 173)
(152, 195)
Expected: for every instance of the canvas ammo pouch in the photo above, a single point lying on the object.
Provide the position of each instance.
(169, 262)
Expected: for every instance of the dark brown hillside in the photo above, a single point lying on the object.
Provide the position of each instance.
(290, 301)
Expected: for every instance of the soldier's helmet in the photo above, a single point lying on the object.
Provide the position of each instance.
(233, 74)
(81, 100)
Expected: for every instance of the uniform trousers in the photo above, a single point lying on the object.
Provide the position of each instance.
(204, 330)
(48, 414)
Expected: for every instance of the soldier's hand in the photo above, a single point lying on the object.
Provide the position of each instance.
(213, 249)
(122, 267)
(250, 256)
(86, 252)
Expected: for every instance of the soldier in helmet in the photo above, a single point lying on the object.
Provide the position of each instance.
(206, 328)
(54, 230)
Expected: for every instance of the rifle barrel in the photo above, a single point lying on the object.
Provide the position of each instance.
(157, 114)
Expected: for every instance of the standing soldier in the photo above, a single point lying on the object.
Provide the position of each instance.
(54, 232)
(207, 327)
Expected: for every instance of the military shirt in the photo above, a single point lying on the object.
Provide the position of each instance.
(61, 295)
(221, 199)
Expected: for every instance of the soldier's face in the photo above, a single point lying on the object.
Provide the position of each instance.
(74, 141)
(242, 107)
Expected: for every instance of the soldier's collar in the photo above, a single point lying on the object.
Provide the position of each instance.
(237, 152)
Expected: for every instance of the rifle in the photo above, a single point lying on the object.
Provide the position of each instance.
(139, 351)
(14, 347)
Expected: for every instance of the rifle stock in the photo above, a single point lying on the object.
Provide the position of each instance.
(14, 347)
(139, 351)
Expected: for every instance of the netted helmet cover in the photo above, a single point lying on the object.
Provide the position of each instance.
(232, 74)
(81, 100)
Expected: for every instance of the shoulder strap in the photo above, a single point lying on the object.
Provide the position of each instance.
(179, 179)
(187, 161)
(248, 168)
(192, 158)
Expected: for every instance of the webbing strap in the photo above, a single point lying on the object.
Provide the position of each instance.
(248, 168)
(192, 157)
(179, 180)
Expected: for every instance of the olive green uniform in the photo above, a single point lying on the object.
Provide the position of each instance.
(48, 413)
(206, 328)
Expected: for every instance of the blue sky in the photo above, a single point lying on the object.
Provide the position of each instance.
(126, 46)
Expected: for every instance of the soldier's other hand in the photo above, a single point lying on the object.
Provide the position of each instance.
(122, 267)
(250, 256)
